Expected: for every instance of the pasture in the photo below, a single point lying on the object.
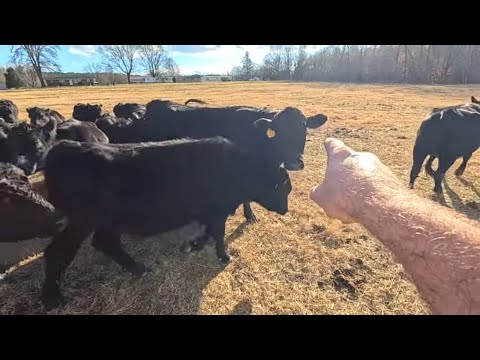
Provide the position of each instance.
(300, 263)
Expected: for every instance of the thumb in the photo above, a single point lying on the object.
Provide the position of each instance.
(337, 150)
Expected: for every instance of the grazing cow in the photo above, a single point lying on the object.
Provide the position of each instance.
(122, 130)
(129, 111)
(447, 134)
(150, 188)
(24, 214)
(279, 137)
(40, 116)
(25, 145)
(82, 131)
(87, 112)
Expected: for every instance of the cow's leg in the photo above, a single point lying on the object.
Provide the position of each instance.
(216, 228)
(428, 165)
(444, 163)
(418, 157)
(58, 255)
(109, 243)
(248, 212)
(463, 165)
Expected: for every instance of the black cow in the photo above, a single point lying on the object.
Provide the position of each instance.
(87, 112)
(24, 145)
(150, 188)
(122, 130)
(24, 214)
(129, 111)
(447, 134)
(40, 116)
(82, 131)
(8, 111)
(278, 137)
(461, 169)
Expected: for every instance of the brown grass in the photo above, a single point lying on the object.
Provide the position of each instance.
(300, 263)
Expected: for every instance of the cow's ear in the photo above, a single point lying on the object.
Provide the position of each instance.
(475, 101)
(265, 126)
(316, 121)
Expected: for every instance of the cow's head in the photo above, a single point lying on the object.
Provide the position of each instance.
(8, 111)
(23, 213)
(275, 190)
(87, 112)
(38, 116)
(27, 144)
(129, 111)
(286, 133)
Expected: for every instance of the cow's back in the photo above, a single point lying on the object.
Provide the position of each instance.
(178, 121)
(450, 130)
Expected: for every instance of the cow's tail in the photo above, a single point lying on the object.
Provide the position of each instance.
(195, 101)
(419, 154)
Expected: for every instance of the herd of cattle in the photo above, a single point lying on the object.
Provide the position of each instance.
(146, 170)
(152, 168)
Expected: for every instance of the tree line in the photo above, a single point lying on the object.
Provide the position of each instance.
(416, 64)
(29, 63)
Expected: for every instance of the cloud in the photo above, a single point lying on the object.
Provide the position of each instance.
(84, 50)
(190, 49)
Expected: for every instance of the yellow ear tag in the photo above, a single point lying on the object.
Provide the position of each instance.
(270, 133)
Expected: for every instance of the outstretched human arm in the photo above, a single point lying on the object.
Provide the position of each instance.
(439, 248)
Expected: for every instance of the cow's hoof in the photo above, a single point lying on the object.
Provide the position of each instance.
(410, 186)
(251, 219)
(197, 245)
(52, 299)
(225, 258)
(187, 247)
(138, 269)
(437, 190)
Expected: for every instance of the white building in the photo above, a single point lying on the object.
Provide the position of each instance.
(216, 78)
(159, 79)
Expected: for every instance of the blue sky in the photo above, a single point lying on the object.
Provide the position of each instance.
(192, 59)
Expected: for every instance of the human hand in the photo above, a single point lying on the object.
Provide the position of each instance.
(353, 181)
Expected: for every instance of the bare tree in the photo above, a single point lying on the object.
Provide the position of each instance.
(2, 75)
(95, 69)
(40, 57)
(153, 59)
(171, 67)
(122, 58)
(27, 74)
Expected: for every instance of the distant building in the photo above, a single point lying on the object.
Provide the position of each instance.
(160, 79)
(137, 79)
(70, 80)
(205, 78)
(190, 78)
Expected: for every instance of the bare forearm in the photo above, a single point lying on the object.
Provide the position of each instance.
(437, 247)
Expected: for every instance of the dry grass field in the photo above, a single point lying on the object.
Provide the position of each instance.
(300, 263)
